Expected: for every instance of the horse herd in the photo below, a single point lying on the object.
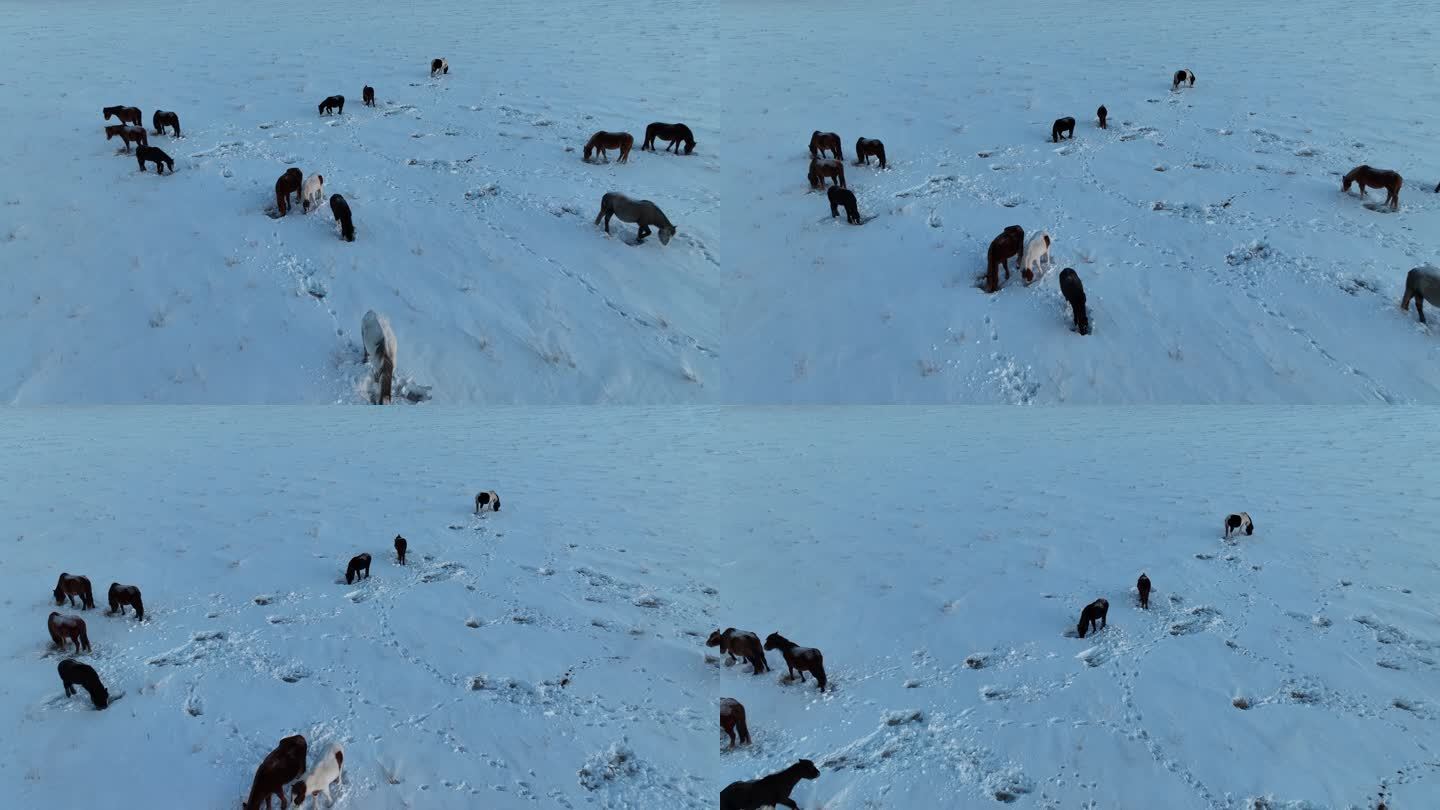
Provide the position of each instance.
(1421, 283)
(71, 629)
(775, 788)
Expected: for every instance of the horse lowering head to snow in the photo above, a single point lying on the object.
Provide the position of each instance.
(641, 212)
(1422, 284)
(866, 148)
(603, 141)
(1074, 293)
(122, 595)
(279, 768)
(1238, 523)
(487, 501)
(1062, 126)
(341, 210)
(379, 341)
(73, 673)
(1181, 76)
(333, 104)
(359, 564)
(1101, 114)
(1143, 586)
(73, 587)
(127, 115)
(843, 197)
(1037, 256)
(312, 192)
(769, 791)
(401, 545)
(1094, 613)
(822, 142)
(153, 154)
(367, 96)
(798, 659)
(1002, 248)
(439, 66)
(72, 628)
(821, 168)
(675, 134)
(320, 777)
(128, 133)
(1375, 178)
(742, 643)
(288, 183)
(732, 720)
(163, 119)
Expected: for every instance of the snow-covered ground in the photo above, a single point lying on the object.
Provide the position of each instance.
(940, 559)
(472, 206)
(1221, 261)
(570, 606)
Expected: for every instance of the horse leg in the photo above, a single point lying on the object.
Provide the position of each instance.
(1420, 307)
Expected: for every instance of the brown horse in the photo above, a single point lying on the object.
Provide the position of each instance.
(1375, 178)
(127, 115)
(865, 148)
(127, 133)
(279, 768)
(122, 595)
(68, 627)
(798, 659)
(821, 168)
(1102, 114)
(289, 183)
(825, 142)
(732, 719)
(743, 643)
(73, 586)
(1008, 244)
(603, 141)
(674, 133)
(367, 96)
(163, 119)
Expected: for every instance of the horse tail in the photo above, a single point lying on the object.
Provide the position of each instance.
(605, 208)
(139, 607)
(84, 637)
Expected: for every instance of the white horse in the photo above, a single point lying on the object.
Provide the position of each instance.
(313, 192)
(1038, 248)
(379, 340)
(318, 780)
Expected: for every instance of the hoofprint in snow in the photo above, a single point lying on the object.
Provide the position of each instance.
(472, 207)
(542, 656)
(940, 561)
(1221, 260)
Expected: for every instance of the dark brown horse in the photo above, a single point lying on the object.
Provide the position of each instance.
(1094, 613)
(279, 768)
(674, 133)
(742, 643)
(122, 595)
(359, 564)
(865, 148)
(73, 586)
(74, 673)
(1074, 293)
(732, 720)
(401, 546)
(1102, 113)
(1143, 586)
(127, 133)
(341, 209)
(156, 155)
(1062, 126)
(367, 96)
(163, 119)
(603, 141)
(844, 197)
(333, 104)
(798, 659)
(1375, 178)
(769, 791)
(821, 168)
(288, 183)
(1002, 248)
(825, 142)
(127, 115)
(68, 627)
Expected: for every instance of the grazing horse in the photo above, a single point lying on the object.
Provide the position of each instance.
(821, 142)
(68, 627)
(154, 154)
(1074, 293)
(1037, 255)
(1375, 178)
(1237, 523)
(439, 66)
(1181, 76)
(358, 563)
(341, 210)
(318, 780)
(641, 212)
(312, 191)
(122, 595)
(127, 133)
(1143, 585)
(865, 148)
(732, 719)
(797, 658)
(769, 791)
(1421, 283)
(127, 115)
(603, 141)
(1093, 613)
(487, 500)
(279, 768)
(1101, 114)
(379, 340)
(843, 197)
(674, 133)
(1062, 125)
(288, 183)
(335, 103)
(743, 643)
(401, 545)
(1009, 243)
(821, 168)
(73, 586)
(367, 96)
(73, 673)
(163, 119)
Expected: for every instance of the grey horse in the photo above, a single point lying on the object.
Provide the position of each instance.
(1422, 284)
(642, 212)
